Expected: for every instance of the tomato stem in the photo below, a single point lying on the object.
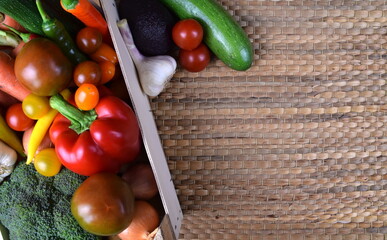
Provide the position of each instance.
(80, 120)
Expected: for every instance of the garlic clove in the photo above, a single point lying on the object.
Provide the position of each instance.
(8, 158)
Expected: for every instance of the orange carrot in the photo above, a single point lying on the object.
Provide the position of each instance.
(7, 20)
(8, 81)
(88, 14)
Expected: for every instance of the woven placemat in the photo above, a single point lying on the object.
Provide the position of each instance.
(295, 147)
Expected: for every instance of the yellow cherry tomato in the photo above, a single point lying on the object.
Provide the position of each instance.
(35, 106)
(47, 163)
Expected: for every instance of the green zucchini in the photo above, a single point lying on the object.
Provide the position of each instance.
(26, 14)
(222, 34)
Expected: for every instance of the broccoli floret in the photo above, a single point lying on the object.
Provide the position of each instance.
(67, 181)
(66, 224)
(35, 207)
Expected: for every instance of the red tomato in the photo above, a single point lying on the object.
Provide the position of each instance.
(103, 204)
(87, 72)
(16, 118)
(187, 34)
(88, 40)
(195, 60)
(105, 53)
(108, 71)
(86, 96)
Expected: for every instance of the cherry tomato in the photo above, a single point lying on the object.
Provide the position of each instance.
(108, 70)
(103, 204)
(105, 53)
(35, 106)
(195, 60)
(87, 72)
(88, 40)
(16, 119)
(47, 163)
(187, 34)
(86, 96)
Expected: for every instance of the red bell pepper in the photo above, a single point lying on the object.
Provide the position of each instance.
(100, 140)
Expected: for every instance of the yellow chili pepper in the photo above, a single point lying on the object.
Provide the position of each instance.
(41, 127)
(8, 136)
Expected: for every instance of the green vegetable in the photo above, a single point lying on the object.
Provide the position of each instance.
(222, 34)
(56, 31)
(26, 13)
(35, 207)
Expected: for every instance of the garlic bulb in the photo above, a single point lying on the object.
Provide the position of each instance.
(154, 72)
(8, 159)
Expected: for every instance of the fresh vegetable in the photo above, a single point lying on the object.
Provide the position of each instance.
(153, 72)
(24, 12)
(16, 119)
(25, 36)
(7, 21)
(144, 224)
(41, 128)
(89, 39)
(8, 136)
(88, 14)
(8, 158)
(151, 24)
(109, 202)
(86, 96)
(45, 143)
(87, 72)
(105, 53)
(47, 163)
(222, 34)
(9, 39)
(108, 71)
(55, 10)
(8, 81)
(98, 140)
(142, 181)
(35, 207)
(57, 32)
(35, 106)
(195, 60)
(42, 67)
(187, 34)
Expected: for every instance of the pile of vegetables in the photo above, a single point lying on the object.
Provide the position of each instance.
(152, 29)
(68, 142)
(36, 207)
(70, 145)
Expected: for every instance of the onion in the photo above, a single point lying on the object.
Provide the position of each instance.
(46, 142)
(144, 223)
(140, 177)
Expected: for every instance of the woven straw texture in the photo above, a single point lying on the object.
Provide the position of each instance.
(295, 147)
